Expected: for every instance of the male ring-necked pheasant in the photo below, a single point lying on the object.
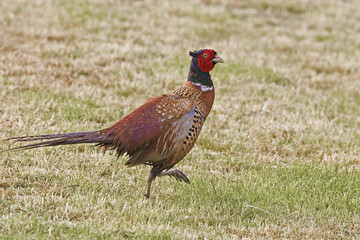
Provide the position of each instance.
(161, 131)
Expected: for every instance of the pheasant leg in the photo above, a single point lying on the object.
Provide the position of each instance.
(153, 173)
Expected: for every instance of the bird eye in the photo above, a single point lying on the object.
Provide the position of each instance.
(205, 55)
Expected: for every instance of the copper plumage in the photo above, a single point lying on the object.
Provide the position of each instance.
(160, 132)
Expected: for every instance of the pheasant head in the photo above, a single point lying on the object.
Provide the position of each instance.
(202, 63)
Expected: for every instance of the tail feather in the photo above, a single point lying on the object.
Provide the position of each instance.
(58, 139)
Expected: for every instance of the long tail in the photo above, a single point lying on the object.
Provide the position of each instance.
(58, 139)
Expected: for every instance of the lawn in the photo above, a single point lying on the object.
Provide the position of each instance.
(278, 156)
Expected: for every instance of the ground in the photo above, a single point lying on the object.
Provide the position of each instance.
(278, 156)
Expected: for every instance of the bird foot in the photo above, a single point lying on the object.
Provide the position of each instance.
(177, 174)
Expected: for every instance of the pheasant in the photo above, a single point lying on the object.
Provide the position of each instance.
(160, 132)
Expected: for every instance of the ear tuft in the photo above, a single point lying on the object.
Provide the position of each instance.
(193, 54)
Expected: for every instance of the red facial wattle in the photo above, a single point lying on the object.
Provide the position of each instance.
(204, 61)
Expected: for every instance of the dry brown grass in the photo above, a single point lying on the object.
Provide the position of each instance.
(279, 154)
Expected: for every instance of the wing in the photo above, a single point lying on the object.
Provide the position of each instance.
(166, 144)
(151, 131)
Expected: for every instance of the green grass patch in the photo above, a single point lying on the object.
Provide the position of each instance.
(301, 194)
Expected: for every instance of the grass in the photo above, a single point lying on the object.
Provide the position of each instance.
(278, 156)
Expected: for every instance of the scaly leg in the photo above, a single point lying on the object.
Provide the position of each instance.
(153, 173)
(176, 173)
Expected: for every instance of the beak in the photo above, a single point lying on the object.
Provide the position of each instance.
(217, 59)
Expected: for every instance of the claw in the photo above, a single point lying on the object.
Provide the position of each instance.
(177, 174)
